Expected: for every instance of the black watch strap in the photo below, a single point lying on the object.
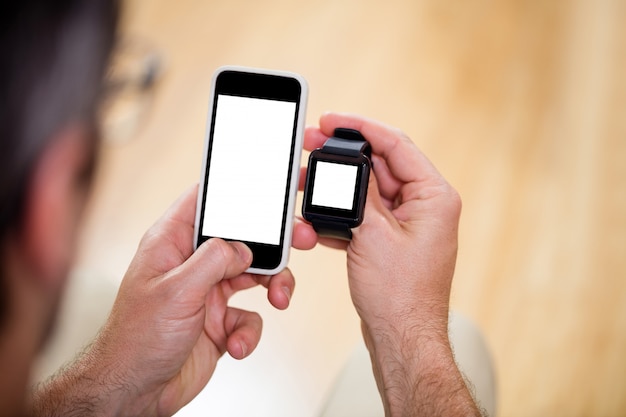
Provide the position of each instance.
(331, 229)
(347, 142)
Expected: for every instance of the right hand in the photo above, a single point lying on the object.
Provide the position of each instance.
(170, 323)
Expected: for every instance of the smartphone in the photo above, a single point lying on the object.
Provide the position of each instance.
(251, 162)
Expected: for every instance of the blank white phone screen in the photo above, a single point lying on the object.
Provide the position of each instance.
(248, 172)
(334, 185)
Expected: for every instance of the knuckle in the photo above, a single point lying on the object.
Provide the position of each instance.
(456, 201)
(402, 134)
(258, 320)
(453, 204)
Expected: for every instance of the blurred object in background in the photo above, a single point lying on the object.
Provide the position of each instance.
(130, 86)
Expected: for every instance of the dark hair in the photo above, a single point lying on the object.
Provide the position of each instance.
(53, 56)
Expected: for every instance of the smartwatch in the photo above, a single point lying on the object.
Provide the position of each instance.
(336, 184)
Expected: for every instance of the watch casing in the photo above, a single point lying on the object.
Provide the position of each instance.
(316, 213)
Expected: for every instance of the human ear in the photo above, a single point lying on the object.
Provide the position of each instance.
(54, 203)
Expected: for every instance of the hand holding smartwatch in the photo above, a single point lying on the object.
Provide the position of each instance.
(336, 184)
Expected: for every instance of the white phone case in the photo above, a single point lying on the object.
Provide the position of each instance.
(295, 166)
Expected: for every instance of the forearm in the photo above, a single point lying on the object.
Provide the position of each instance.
(416, 372)
(86, 387)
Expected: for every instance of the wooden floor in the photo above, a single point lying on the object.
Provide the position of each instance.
(522, 106)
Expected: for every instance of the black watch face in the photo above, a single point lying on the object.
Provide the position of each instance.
(336, 188)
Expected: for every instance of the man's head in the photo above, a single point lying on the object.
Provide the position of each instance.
(53, 56)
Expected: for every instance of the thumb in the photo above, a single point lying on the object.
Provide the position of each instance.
(374, 205)
(377, 218)
(213, 261)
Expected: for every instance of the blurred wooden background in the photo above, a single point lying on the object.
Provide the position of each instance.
(521, 105)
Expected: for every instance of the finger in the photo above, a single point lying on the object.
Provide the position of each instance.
(307, 237)
(314, 138)
(243, 329)
(280, 286)
(302, 178)
(213, 261)
(243, 282)
(405, 161)
(377, 216)
(304, 236)
(280, 289)
(388, 184)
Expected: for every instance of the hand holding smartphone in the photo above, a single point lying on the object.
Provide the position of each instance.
(251, 162)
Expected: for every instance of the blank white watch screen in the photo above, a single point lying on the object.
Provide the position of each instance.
(334, 185)
(248, 169)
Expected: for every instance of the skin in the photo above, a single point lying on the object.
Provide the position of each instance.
(37, 256)
(171, 321)
(401, 289)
